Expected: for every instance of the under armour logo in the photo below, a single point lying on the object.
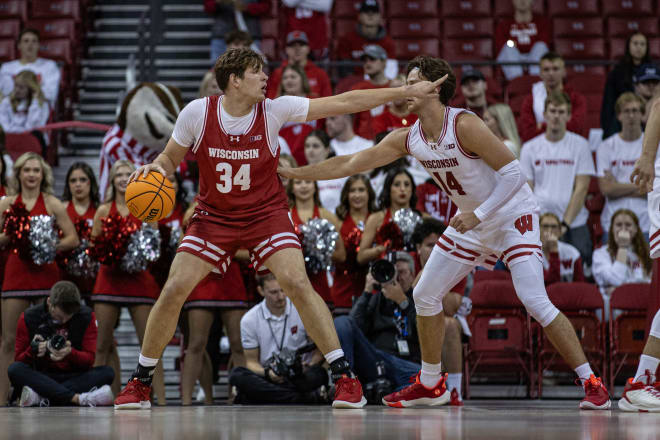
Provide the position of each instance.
(234, 138)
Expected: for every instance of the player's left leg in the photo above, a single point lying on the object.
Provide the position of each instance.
(642, 393)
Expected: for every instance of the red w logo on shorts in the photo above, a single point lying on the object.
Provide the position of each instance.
(524, 224)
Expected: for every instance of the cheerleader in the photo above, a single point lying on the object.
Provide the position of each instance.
(305, 205)
(225, 295)
(115, 288)
(357, 201)
(398, 193)
(81, 198)
(32, 184)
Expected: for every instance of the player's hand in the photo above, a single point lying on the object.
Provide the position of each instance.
(643, 174)
(146, 169)
(425, 89)
(464, 222)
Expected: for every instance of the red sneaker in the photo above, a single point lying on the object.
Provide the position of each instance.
(455, 399)
(418, 394)
(596, 395)
(134, 396)
(348, 393)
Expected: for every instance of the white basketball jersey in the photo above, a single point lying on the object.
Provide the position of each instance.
(465, 177)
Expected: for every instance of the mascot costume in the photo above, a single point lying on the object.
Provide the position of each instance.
(144, 126)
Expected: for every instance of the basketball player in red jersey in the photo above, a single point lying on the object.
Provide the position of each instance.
(498, 218)
(242, 204)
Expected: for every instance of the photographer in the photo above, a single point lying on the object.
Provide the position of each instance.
(55, 346)
(273, 339)
(381, 331)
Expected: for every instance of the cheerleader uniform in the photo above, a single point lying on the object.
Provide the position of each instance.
(4, 252)
(349, 275)
(115, 286)
(218, 291)
(319, 280)
(27, 280)
(85, 285)
(160, 269)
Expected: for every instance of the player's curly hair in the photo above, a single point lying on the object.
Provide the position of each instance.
(432, 69)
(235, 61)
(639, 244)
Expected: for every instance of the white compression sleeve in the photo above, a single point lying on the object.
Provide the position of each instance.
(512, 180)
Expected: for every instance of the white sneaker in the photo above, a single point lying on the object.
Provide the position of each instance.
(639, 397)
(97, 397)
(201, 395)
(29, 397)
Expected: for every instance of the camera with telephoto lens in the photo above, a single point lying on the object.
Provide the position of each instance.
(375, 390)
(54, 341)
(288, 363)
(383, 270)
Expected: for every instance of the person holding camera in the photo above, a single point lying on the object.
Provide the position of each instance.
(379, 337)
(55, 346)
(274, 341)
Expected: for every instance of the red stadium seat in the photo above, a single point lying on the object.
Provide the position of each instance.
(345, 84)
(594, 101)
(628, 329)
(627, 7)
(17, 144)
(579, 302)
(501, 340)
(7, 49)
(59, 49)
(466, 8)
(56, 8)
(515, 102)
(588, 83)
(14, 9)
(618, 47)
(573, 8)
(10, 27)
(504, 8)
(269, 27)
(468, 28)
(577, 27)
(521, 86)
(54, 28)
(625, 26)
(468, 49)
(580, 69)
(269, 48)
(583, 48)
(408, 49)
(348, 8)
(412, 8)
(343, 26)
(414, 28)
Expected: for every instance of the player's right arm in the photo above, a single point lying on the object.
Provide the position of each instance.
(644, 172)
(388, 150)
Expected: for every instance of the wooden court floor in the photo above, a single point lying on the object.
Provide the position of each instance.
(486, 419)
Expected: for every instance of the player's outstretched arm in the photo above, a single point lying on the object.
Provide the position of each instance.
(388, 150)
(166, 162)
(361, 100)
(644, 172)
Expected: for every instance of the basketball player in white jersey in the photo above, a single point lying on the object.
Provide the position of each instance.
(642, 392)
(497, 218)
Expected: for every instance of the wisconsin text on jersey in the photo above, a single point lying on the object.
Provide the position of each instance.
(440, 163)
(233, 154)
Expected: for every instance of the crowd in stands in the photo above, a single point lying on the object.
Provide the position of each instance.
(547, 131)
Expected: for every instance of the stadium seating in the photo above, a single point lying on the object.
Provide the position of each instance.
(573, 8)
(17, 144)
(618, 47)
(269, 27)
(627, 7)
(468, 49)
(408, 49)
(582, 48)
(577, 27)
(466, 8)
(343, 26)
(7, 49)
(413, 28)
(624, 26)
(627, 327)
(409, 9)
(9, 27)
(504, 8)
(346, 8)
(269, 48)
(468, 28)
(14, 9)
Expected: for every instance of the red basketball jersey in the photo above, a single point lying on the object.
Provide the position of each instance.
(238, 173)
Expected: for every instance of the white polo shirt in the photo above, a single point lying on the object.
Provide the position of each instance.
(263, 330)
(553, 166)
(618, 157)
(356, 144)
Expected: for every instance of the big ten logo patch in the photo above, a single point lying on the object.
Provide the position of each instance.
(524, 224)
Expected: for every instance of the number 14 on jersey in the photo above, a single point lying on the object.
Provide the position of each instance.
(449, 183)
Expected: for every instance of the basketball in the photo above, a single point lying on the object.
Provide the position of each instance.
(150, 198)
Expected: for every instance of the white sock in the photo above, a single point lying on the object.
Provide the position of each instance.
(584, 371)
(454, 381)
(147, 362)
(430, 374)
(334, 355)
(646, 363)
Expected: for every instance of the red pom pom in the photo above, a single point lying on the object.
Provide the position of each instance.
(17, 228)
(110, 245)
(390, 236)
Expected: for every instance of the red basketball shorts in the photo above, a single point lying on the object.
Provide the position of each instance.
(216, 241)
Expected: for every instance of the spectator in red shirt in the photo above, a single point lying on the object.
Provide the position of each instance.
(561, 261)
(369, 30)
(531, 121)
(473, 93)
(297, 51)
(524, 37)
(55, 346)
(434, 202)
(395, 114)
(309, 16)
(374, 60)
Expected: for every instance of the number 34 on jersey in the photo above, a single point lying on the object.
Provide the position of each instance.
(230, 178)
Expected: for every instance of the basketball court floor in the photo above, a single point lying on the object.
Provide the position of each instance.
(478, 419)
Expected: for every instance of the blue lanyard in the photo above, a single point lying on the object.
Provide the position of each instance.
(401, 323)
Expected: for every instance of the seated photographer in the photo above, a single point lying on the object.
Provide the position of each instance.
(379, 337)
(55, 346)
(280, 367)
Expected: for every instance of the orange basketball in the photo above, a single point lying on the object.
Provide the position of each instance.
(150, 198)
